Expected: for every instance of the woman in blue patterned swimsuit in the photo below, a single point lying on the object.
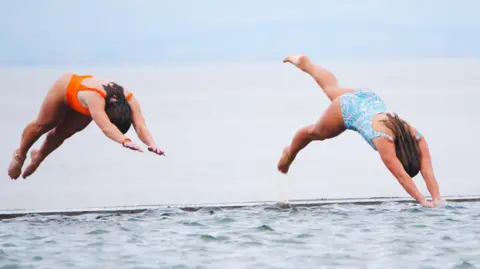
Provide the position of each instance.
(402, 148)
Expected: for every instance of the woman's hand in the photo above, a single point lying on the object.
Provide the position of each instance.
(435, 203)
(156, 150)
(438, 202)
(132, 146)
(426, 203)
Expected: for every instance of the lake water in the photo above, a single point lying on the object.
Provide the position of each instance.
(390, 235)
(223, 128)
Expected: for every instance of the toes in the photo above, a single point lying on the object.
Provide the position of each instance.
(30, 169)
(14, 171)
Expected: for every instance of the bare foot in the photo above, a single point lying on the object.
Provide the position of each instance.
(300, 61)
(15, 167)
(285, 161)
(34, 163)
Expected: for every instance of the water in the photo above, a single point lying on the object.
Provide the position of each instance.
(390, 235)
(223, 128)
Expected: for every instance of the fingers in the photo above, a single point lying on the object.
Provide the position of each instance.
(156, 150)
(133, 146)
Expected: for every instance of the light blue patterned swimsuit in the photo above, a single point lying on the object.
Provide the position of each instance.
(358, 109)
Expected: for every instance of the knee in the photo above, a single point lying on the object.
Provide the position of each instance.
(57, 135)
(52, 135)
(41, 128)
(315, 133)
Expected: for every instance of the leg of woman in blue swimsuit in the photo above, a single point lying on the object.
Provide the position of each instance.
(330, 123)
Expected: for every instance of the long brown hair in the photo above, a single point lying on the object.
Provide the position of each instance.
(406, 144)
(117, 107)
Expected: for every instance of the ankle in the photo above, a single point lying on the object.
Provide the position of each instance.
(19, 156)
(304, 64)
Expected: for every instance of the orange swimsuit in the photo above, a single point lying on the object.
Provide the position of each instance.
(74, 86)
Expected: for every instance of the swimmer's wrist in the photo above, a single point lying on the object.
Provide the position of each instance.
(421, 199)
(125, 140)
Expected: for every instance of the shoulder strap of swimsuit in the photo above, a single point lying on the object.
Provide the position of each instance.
(418, 135)
(384, 135)
(390, 138)
(86, 88)
(95, 90)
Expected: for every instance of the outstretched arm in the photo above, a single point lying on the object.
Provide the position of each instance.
(386, 149)
(427, 170)
(141, 127)
(96, 106)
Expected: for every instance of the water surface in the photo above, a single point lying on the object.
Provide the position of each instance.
(390, 235)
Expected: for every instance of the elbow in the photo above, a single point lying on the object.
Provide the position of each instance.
(396, 168)
(427, 173)
(107, 130)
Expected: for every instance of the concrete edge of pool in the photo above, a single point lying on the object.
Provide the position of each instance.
(9, 214)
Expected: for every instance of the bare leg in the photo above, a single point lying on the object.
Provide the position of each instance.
(328, 126)
(324, 78)
(73, 123)
(51, 113)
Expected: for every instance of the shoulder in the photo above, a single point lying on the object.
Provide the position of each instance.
(378, 125)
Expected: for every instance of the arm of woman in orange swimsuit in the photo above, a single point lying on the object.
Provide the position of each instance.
(96, 106)
(141, 128)
(427, 171)
(386, 149)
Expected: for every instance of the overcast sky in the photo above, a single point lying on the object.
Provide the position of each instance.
(54, 32)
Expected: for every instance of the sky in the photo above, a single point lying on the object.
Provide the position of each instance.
(158, 32)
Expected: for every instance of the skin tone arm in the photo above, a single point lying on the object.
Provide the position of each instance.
(386, 149)
(427, 171)
(96, 105)
(141, 128)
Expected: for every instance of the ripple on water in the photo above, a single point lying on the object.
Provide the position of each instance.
(123, 228)
(6, 236)
(446, 238)
(98, 231)
(305, 235)
(276, 209)
(419, 225)
(464, 265)
(226, 220)
(3, 254)
(289, 241)
(208, 238)
(251, 244)
(193, 223)
(453, 220)
(36, 238)
(95, 244)
(265, 228)
(37, 258)
(11, 266)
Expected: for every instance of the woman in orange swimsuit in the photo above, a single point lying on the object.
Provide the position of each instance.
(70, 105)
